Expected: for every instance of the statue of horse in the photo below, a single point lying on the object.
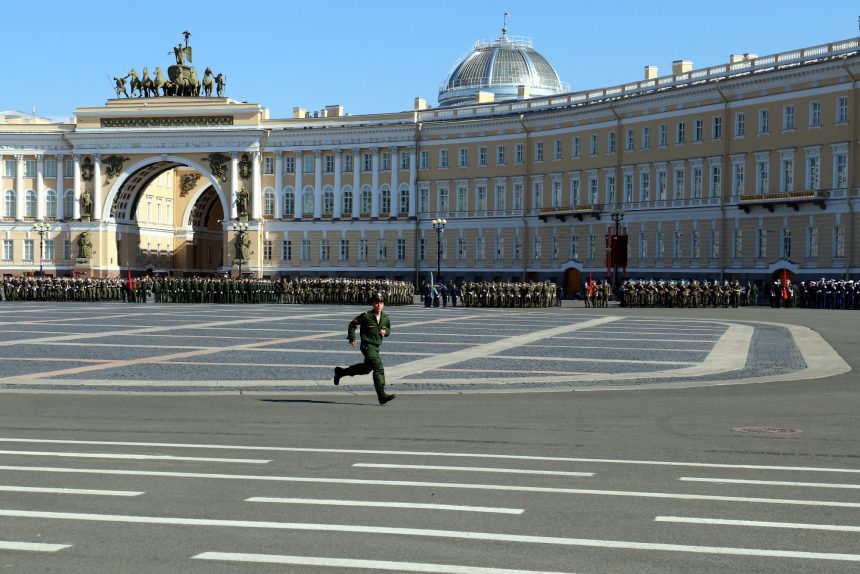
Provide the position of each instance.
(146, 83)
(158, 82)
(135, 84)
(208, 82)
(195, 83)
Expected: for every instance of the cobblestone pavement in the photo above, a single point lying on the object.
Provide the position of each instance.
(288, 348)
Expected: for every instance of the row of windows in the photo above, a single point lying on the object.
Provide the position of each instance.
(364, 206)
(29, 250)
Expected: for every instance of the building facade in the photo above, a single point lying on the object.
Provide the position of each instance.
(739, 170)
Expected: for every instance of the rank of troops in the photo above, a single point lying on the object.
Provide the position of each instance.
(690, 294)
(823, 293)
(491, 294)
(222, 290)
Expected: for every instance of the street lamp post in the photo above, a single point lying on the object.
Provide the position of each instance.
(617, 216)
(42, 229)
(240, 228)
(439, 226)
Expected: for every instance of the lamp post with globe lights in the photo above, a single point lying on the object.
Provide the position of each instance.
(617, 217)
(42, 229)
(241, 228)
(439, 226)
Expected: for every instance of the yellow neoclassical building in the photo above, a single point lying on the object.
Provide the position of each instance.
(737, 170)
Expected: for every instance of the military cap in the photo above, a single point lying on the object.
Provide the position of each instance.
(378, 296)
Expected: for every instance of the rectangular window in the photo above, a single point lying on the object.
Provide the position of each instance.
(813, 172)
(738, 247)
(643, 247)
(70, 168)
(592, 148)
(660, 247)
(740, 124)
(443, 200)
(501, 197)
(629, 140)
(556, 150)
(8, 249)
(30, 168)
(306, 250)
(574, 192)
(308, 163)
(424, 160)
(695, 252)
(367, 162)
(841, 168)
(610, 189)
(518, 153)
(48, 254)
(681, 133)
(763, 122)
(786, 243)
(788, 117)
(538, 151)
(762, 169)
(576, 147)
(676, 245)
(697, 131)
(290, 164)
(325, 250)
(481, 192)
(537, 194)
(443, 158)
(50, 168)
(518, 196)
(9, 168)
(717, 128)
(462, 199)
(328, 163)
(738, 180)
(814, 114)
(267, 250)
(761, 243)
(362, 250)
(787, 175)
(500, 155)
(537, 248)
(610, 142)
(286, 250)
(347, 163)
(500, 249)
(841, 110)
(405, 160)
(67, 249)
(482, 156)
(696, 192)
(680, 184)
(401, 250)
(716, 180)
(268, 165)
(628, 188)
(574, 246)
(592, 191)
(714, 252)
(662, 137)
(644, 186)
(381, 251)
(812, 241)
(424, 200)
(464, 157)
(662, 185)
(28, 249)
(386, 161)
(422, 249)
(646, 137)
(343, 253)
(838, 241)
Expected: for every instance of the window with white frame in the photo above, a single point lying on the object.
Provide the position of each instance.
(400, 250)
(404, 200)
(555, 192)
(788, 117)
(574, 246)
(763, 122)
(679, 184)
(592, 148)
(462, 198)
(385, 201)
(327, 201)
(269, 202)
(308, 201)
(289, 164)
(717, 127)
(8, 168)
(840, 168)
(644, 185)
(366, 204)
(67, 249)
(738, 178)
(662, 184)
(518, 247)
(714, 250)
(681, 132)
(761, 243)
(424, 200)
(51, 204)
(518, 196)
(422, 249)
(405, 160)
(385, 158)
(306, 250)
(28, 249)
(461, 249)
(346, 201)
(610, 142)
(536, 252)
(716, 184)
(814, 114)
(556, 150)
(813, 170)
(50, 168)
(576, 147)
(424, 160)
(643, 247)
(501, 197)
(676, 245)
(362, 250)
(787, 173)
(537, 194)
(628, 187)
(786, 243)
(8, 249)
(518, 153)
(591, 246)
(838, 241)
(646, 137)
(69, 170)
(738, 243)
(367, 161)
(629, 140)
(308, 163)
(30, 203)
(481, 196)
(328, 163)
(381, 251)
(500, 155)
(538, 151)
(695, 251)
(480, 249)
(48, 253)
(268, 165)
(343, 253)
(762, 175)
(812, 241)
(593, 197)
(463, 160)
(554, 247)
(482, 156)
(347, 163)
(659, 246)
(697, 130)
(740, 124)
(575, 198)
(662, 135)
(500, 248)
(267, 249)
(30, 168)
(610, 189)
(443, 200)
(841, 110)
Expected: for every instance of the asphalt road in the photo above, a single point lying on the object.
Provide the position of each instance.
(756, 477)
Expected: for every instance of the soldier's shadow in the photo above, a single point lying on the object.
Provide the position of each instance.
(315, 402)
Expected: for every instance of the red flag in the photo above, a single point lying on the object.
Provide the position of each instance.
(130, 284)
(784, 286)
(590, 285)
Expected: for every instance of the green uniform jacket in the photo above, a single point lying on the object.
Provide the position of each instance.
(369, 328)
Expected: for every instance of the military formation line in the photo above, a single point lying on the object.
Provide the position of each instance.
(491, 294)
(687, 294)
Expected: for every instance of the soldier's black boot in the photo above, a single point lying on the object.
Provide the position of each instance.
(383, 398)
(338, 374)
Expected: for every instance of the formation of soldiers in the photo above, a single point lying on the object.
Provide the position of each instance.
(683, 293)
(491, 294)
(222, 290)
(823, 293)
(596, 294)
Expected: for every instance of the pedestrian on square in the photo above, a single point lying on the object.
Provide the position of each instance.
(373, 326)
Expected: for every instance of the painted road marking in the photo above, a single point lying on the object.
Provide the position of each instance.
(32, 546)
(84, 491)
(472, 469)
(132, 456)
(770, 482)
(790, 525)
(386, 504)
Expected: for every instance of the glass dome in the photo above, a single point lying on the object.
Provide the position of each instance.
(500, 67)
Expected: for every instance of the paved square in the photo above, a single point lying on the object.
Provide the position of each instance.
(281, 348)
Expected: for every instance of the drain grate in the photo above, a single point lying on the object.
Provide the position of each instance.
(766, 430)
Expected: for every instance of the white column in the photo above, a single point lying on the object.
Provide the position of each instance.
(374, 185)
(19, 187)
(256, 185)
(60, 188)
(97, 187)
(234, 184)
(395, 185)
(413, 176)
(338, 194)
(356, 181)
(76, 213)
(279, 184)
(299, 206)
(317, 184)
(40, 188)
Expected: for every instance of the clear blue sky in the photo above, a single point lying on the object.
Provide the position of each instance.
(376, 56)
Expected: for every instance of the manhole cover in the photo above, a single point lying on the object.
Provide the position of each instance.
(766, 430)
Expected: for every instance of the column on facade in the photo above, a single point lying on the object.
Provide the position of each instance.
(338, 193)
(19, 187)
(234, 184)
(317, 184)
(60, 188)
(298, 195)
(279, 184)
(256, 187)
(97, 187)
(2, 191)
(374, 185)
(356, 182)
(76, 205)
(40, 188)
(413, 176)
(395, 185)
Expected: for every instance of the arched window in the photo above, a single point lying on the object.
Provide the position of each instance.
(347, 201)
(328, 201)
(269, 202)
(308, 201)
(10, 210)
(385, 201)
(366, 200)
(69, 204)
(51, 203)
(404, 199)
(30, 203)
(289, 202)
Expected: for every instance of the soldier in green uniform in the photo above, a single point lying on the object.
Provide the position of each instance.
(374, 325)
